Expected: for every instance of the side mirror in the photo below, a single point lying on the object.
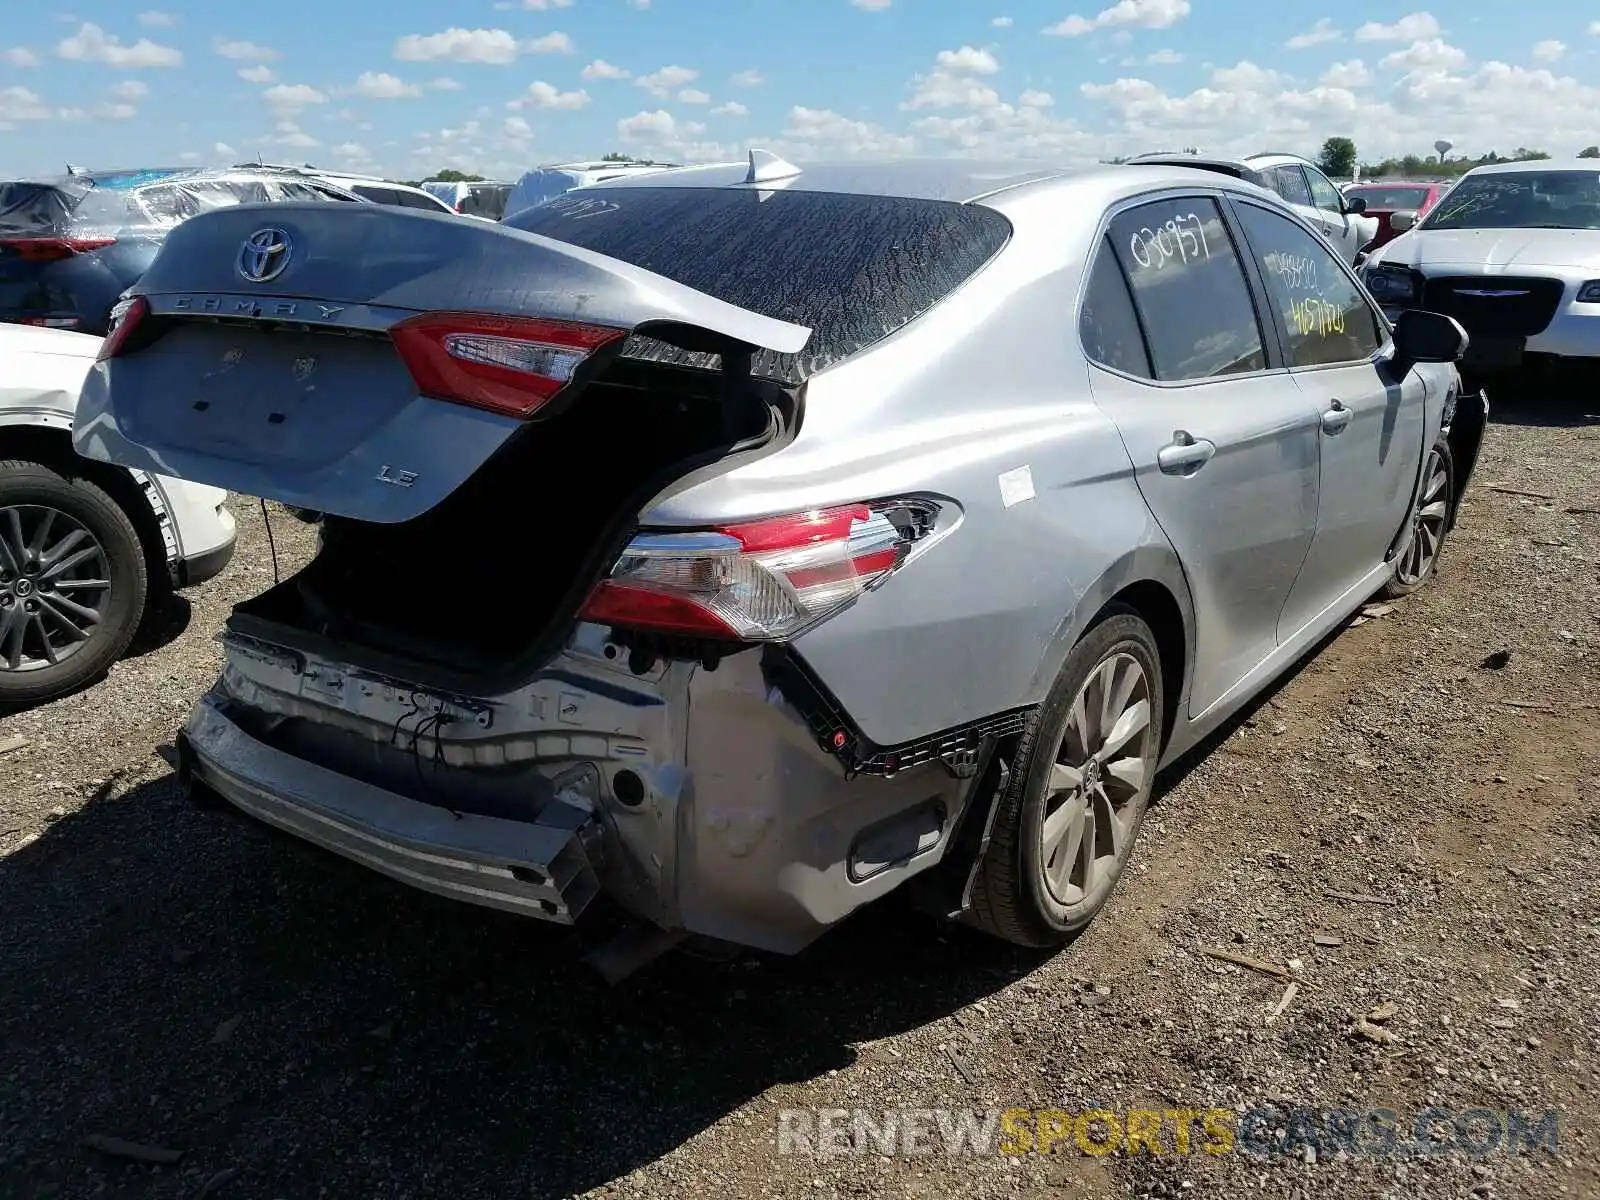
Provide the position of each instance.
(1427, 337)
(1402, 221)
(1355, 205)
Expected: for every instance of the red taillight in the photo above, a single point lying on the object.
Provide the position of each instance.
(509, 365)
(760, 581)
(125, 318)
(52, 249)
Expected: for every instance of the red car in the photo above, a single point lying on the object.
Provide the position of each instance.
(1385, 199)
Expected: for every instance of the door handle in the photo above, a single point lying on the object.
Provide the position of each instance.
(1336, 418)
(1185, 454)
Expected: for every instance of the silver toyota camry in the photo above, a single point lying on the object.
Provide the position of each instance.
(1512, 251)
(747, 541)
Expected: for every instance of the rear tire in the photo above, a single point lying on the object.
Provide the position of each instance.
(1085, 766)
(73, 582)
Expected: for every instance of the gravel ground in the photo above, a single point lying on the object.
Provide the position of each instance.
(298, 1027)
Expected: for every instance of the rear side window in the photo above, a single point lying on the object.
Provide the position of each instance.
(1108, 325)
(1190, 289)
(1290, 183)
(1321, 311)
(377, 195)
(1323, 194)
(854, 269)
(418, 200)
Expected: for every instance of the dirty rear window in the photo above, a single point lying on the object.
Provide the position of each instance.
(852, 268)
(33, 209)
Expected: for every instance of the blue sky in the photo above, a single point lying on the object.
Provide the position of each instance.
(402, 87)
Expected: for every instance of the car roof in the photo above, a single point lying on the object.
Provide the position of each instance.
(911, 179)
(1538, 164)
(996, 183)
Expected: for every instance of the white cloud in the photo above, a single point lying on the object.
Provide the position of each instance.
(1247, 77)
(353, 152)
(1549, 50)
(158, 20)
(1350, 74)
(20, 56)
(260, 73)
(647, 125)
(667, 80)
(129, 89)
(1001, 22)
(379, 85)
(640, 4)
(243, 51)
(968, 58)
(550, 43)
(1432, 54)
(1322, 31)
(693, 96)
(1159, 58)
(93, 44)
(731, 109)
(291, 96)
(1409, 28)
(821, 133)
(299, 139)
(542, 5)
(543, 95)
(872, 5)
(1594, 28)
(444, 84)
(1141, 14)
(748, 78)
(601, 69)
(114, 112)
(458, 45)
(1035, 99)
(517, 129)
(225, 150)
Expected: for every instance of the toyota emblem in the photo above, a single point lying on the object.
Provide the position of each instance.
(264, 255)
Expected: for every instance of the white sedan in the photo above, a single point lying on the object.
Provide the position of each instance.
(84, 547)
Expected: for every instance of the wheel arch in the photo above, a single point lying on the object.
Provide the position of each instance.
(1150, 580)
(52, 447)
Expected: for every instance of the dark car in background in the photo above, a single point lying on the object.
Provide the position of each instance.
(1385, 199)
(71, 245)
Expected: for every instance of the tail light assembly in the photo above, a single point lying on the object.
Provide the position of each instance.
(507, 365)
(52, 249)
(126, 318)
(760, 581)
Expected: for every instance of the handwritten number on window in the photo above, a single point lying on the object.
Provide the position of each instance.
(1182, 238)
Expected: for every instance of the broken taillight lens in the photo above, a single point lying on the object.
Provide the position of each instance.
(759, 581)
(53, 249)
(508, 365)
(126, 318)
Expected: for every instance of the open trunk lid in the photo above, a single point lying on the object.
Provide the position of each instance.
(366, 360)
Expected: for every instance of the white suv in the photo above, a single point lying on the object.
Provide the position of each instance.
(84, 546)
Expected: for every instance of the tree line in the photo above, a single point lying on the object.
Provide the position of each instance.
(1338, 159)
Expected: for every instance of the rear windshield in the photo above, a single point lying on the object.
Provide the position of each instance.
(852, 268)
(33, 209)
(1397, 198)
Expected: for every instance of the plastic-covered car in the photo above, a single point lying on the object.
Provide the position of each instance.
(482, 199)
(71, 245)
(546, 183)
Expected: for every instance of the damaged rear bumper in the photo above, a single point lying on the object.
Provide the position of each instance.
(537, 868)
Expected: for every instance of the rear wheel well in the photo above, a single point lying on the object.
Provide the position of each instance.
(53, 448)
(1159, 609)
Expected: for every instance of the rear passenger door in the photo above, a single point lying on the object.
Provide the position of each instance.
(1335, 223)
(1224, 445)
(1371, 423)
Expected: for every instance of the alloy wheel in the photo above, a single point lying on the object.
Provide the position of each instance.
(1104, 760)
(1427, 523)
(55, 582)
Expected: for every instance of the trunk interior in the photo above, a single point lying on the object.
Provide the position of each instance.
(484, 585)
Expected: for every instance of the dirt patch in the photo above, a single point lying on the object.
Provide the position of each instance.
(297, 1027)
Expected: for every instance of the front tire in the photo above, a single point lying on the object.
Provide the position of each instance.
(1430, 522)
(1077, 795)
(73, 583)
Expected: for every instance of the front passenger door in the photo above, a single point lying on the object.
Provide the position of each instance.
(1337, 226)
(1371, 423)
